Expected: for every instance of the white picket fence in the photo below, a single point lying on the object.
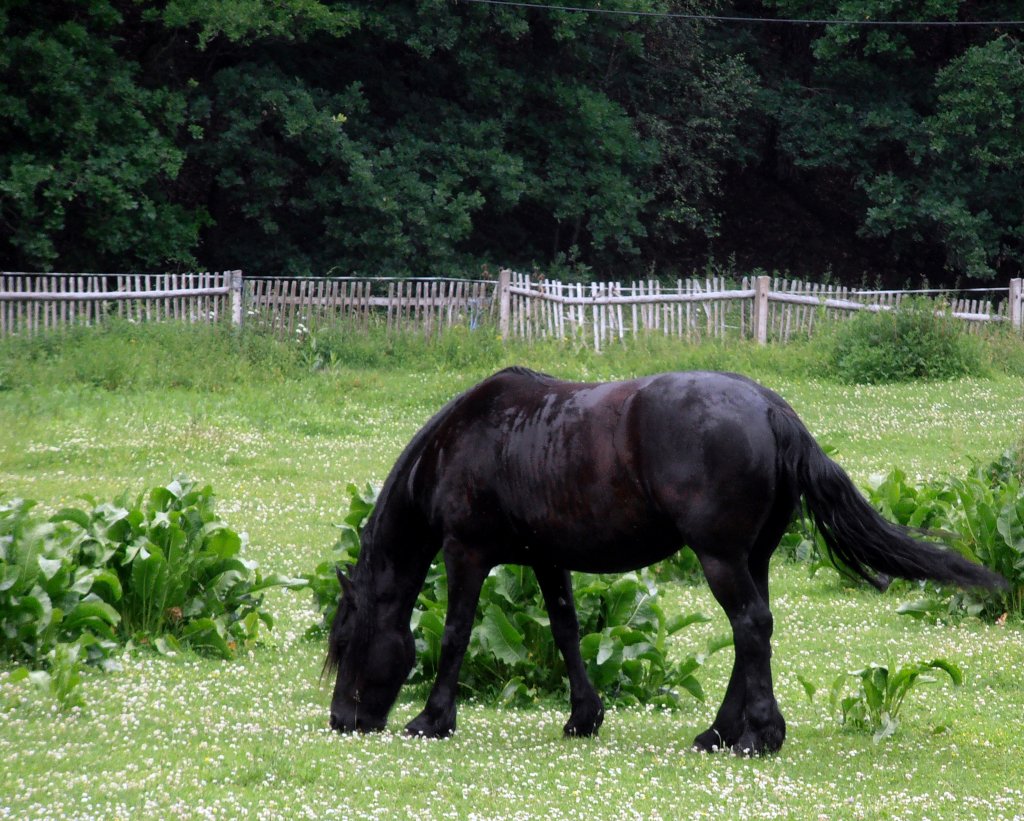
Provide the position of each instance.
(426, 306)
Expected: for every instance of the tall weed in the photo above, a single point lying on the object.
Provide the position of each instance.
(122, 356)
(875, 705)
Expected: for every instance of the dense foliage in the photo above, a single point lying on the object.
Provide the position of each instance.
(980, 515)
(903, 345)
(160, 569)
(512, 655)
(431, 136)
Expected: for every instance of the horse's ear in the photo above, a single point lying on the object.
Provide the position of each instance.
(347, 589)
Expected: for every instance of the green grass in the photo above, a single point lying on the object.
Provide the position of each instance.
(195, 737)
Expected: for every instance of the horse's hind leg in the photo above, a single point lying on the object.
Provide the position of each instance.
(730, 723)
(466, 573)
(749, 720)
(587, 709)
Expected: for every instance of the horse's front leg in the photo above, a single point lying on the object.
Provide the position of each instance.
(587, 708)
(466, 574)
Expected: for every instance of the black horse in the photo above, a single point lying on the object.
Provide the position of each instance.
(602, 478)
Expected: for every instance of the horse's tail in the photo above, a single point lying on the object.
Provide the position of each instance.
(854, 532)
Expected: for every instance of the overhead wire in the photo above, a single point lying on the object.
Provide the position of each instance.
(725, 18)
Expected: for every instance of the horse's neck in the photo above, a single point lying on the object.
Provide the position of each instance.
(397, 560)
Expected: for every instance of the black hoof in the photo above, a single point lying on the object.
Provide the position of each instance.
(424, 727)
(585, 721)
(765, 742)
(710, 741)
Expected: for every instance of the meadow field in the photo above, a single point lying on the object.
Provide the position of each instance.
(279, 430)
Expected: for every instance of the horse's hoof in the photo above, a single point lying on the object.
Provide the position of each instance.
(752, 744)
(585, 722)
(423, 727)
(710, 741)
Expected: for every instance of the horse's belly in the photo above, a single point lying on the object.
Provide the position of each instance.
(589, 547)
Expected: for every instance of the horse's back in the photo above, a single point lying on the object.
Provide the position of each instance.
(598, 476)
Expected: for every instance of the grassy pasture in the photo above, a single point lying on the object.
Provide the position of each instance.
(196, 737)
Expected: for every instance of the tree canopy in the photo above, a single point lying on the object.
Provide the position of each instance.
(413, 137)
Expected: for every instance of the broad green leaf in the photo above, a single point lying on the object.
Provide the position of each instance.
(107, 586)
(279, 580)
(889, 725)
(48, 567)
(621, 600)
(167, 645)
(18, 674)
(205, 635)
(606, 649)
(919, 609)
(500, 636)
(149, 578)
(9, 576)
(222, 541)
(72, 514)
(97, 616)
(678, 622)
(952, 670)
(809, 687)
(693, 687)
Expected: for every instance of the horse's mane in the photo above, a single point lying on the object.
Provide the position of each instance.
(403, 466)
(398, 475)
(521, 370)
(407, 459)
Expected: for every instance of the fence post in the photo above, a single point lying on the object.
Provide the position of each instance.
(1017, 303)
(761, 286)
(504, 302)
(237, 285)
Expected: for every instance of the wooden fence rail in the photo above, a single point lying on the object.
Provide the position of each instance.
(30, 303)
(762, 308)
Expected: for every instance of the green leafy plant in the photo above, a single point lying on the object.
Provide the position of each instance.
(512, 655)
(925, 506)
(990, 526)
(160, 569)
(62, 678)
(980, 515)
(48, 596)
(880, 692)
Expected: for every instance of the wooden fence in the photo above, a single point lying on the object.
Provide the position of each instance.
(35, 302)
(761, 308)
(30, 303)
(427, 306)
(595, 314)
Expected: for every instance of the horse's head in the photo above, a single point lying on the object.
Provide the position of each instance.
(372, 654)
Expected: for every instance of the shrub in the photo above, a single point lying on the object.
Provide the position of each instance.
(903, 345)
(512, 656)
